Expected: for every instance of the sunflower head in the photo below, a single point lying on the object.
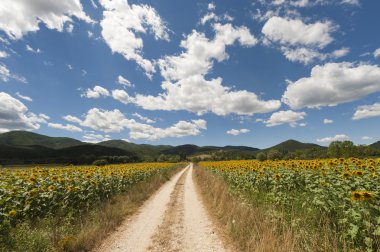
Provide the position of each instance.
(356, 196)
(367, 195)
(12, 213)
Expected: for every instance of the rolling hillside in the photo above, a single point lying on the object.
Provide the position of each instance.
(375, 145)
(26, 138)
(293, 145)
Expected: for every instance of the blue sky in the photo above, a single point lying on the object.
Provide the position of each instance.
(249, 73)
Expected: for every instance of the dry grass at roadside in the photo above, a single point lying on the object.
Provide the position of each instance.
(248, 226)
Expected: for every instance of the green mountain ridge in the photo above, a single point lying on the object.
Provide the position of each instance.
(28, 146)
(375, 145)
(293, 145)
(26, 138)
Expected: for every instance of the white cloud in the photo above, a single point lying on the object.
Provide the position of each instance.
(367, 111)
(123, 81)
(94, 4)
(211, 6)
(30, 49)
(6, 75)
(352, 2)
(67, 127)
(69, 28)
(90, 34)
(14, 115)
(96, 92)
(327, 121)
(143, 118)
(298, 41)
(209, 17)
(27, 98)
(20, 17)
(376, 53)
(115, 121)
(185, 86)
(120, 24)
(340, 137)
(122, 96)
(302, 54)
(367, 138)
(69, 66)
(285, 117)
(73, 119)
(84, 72)
(296, 33)
(340, 52)
(332, 84)
(3, 54)
(95, 138)
(236, 132)
(308, 55)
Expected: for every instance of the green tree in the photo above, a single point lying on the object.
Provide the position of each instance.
(335, 149)
(274, 155)
(261, 156)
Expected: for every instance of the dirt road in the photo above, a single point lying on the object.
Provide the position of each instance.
(173, 219)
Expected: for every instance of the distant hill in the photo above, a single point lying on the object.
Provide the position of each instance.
(375, 145)
(190, 149)
(293, 145)
(82, 154)
(28, 147)
(25, 138)
(142, 150)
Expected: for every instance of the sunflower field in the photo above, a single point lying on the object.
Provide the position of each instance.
(32, 194)
(346, 191)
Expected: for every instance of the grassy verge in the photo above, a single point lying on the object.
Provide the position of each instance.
(254, 225)
(73, 233)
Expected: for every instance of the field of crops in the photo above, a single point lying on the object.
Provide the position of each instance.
(344, 191)
(29, 194)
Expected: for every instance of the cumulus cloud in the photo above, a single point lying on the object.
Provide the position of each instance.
(301, 42)
(376, 53)
(20, 17)
(95, 93)
(285, 117)
(185, 86)
(295, 32)
(209, 17)
(121, 24)
(67, 127)
(122, 96)
(236, 132)
(95, 138)
(332, 84)
(114, 121)
(3, 54)
(367, 111)
(211, 6)
(24, 97)
(30, 49)
(14, 115)
(72, 119)
(366, 138)
(123, 81)
(6, 75)
(143, 118)
(327, 121)
(340, 137)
